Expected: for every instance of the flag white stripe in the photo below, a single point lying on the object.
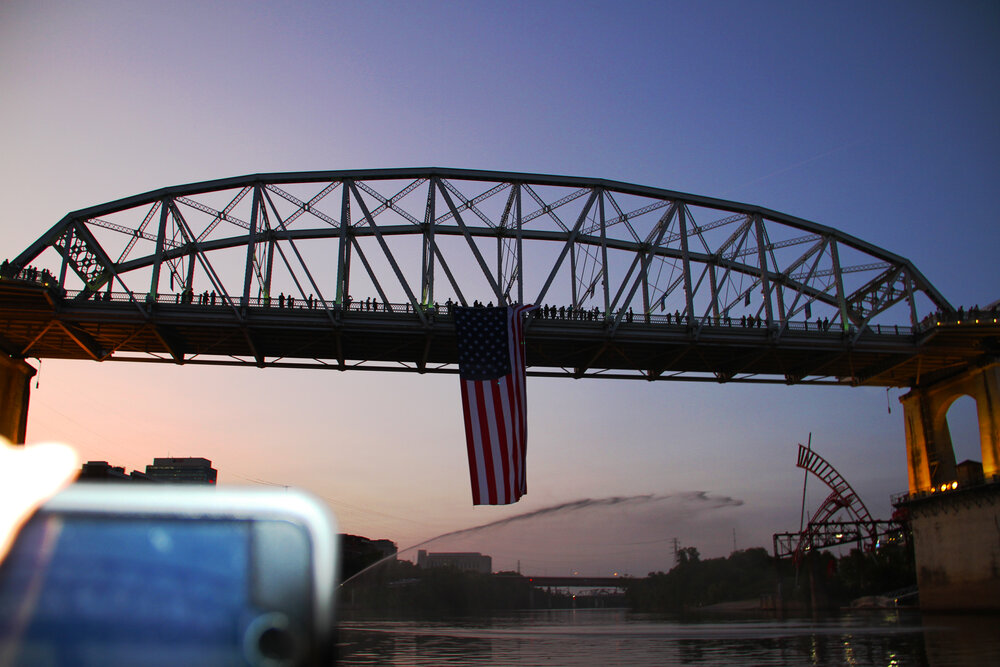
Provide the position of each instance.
(494, 441)
(477, 442)
(511, 445)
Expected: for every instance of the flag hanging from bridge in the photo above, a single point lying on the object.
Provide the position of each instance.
(491, 368)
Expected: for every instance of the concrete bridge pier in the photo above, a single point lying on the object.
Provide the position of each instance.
(930, 455)
(15, 387)
(955, 519)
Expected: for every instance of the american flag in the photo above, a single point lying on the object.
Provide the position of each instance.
(491, 368)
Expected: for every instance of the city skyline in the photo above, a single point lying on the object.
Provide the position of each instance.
(878, 121)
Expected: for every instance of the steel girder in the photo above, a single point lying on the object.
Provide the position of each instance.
(593, 250)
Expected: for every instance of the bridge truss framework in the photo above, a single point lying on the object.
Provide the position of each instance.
(359, 269)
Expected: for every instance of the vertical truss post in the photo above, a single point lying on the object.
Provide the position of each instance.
(500, 277)
(910, 300)
(688, 293)
(68, 239)
(268, 267)
(251, 248)
(427, 262)
(604, 254)
(779, 293)
(645, 291)
(713, 283)
(154, 283)
(189, 241)
(765, 283)
(839, 281)
(518, 236)
(779, 290)
(189, 278)
(344, 249)
(572, 270)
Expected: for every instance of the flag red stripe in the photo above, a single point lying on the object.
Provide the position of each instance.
(513, 412)
(483, 444)
(502, 442)
(520, 401)
(470, 444)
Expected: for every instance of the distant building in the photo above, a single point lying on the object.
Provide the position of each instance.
(357, 553)
(190, 470)
(356, 544)
(195, 470)
(465, 561)
(93, 471)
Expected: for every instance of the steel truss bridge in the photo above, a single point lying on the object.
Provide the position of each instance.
(359, 270)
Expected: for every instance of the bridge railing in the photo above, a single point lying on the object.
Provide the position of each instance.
(972, 317)
(553, 313)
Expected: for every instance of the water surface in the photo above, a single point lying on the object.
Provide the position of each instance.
(619, 637)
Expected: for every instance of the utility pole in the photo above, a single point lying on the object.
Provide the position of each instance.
(805, 481)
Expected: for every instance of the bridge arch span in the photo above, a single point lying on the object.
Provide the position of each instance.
(276, 269)
(426, 235)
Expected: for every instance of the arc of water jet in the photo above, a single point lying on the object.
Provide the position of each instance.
(570, 506)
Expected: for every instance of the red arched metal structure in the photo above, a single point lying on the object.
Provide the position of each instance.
(842, 498)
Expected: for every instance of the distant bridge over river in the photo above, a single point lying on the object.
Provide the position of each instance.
(578, 582)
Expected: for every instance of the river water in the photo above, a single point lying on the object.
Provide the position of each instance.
(619, 637)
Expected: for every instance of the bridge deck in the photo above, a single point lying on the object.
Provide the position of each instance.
(576, 581)
(38, 322)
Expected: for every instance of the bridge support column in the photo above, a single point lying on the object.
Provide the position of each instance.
(929, 452)
(15, 384)
(954, 530)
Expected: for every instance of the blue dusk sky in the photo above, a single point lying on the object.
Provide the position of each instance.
(877, 119)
